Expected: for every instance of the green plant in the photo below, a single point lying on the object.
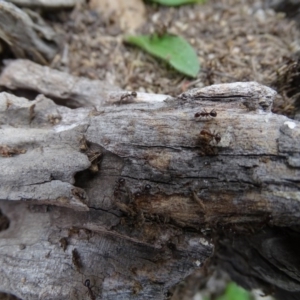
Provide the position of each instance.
(173, 49)
(235, 292)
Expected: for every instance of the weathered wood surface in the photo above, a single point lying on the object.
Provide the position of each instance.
(63, 88)
(149, 189)
(27, 34)
(47, 4)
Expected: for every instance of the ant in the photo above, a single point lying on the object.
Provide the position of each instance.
(87, 283)
(93, 152)
(145, 190)
(121, 181)
(206, 114)
(208, 136)
(128, 96)
(92, 291)
(147, 187)
(118, 185)
(123, 197)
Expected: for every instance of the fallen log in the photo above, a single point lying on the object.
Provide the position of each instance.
(132, 196)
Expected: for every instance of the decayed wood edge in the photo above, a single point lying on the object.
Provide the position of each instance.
(27, 144)
(25, 37)
(161, 143)
(66, 89)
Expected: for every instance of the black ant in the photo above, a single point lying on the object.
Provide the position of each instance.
(123, 197)
(143, 190)
(87, 283)
(209, 136)
(92, 291)
(127, 96)
(147, 187)
(121, 181)
(119, 184)
(206, 114)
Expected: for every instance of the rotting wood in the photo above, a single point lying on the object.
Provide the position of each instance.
(27, 34)
(159, 189)
(47, 4)
(64, 88)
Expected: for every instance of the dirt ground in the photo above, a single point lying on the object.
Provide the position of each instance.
(235, 40)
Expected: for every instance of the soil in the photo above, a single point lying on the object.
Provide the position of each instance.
(235, 41)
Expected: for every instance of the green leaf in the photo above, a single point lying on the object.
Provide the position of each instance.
(235, 292)
(173, 49)
(177, 2)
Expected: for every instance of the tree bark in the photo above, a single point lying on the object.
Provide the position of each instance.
(134, 195)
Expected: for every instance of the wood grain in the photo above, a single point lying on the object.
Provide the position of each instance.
(137, 191)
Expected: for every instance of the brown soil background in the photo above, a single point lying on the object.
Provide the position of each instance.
(235, 41)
